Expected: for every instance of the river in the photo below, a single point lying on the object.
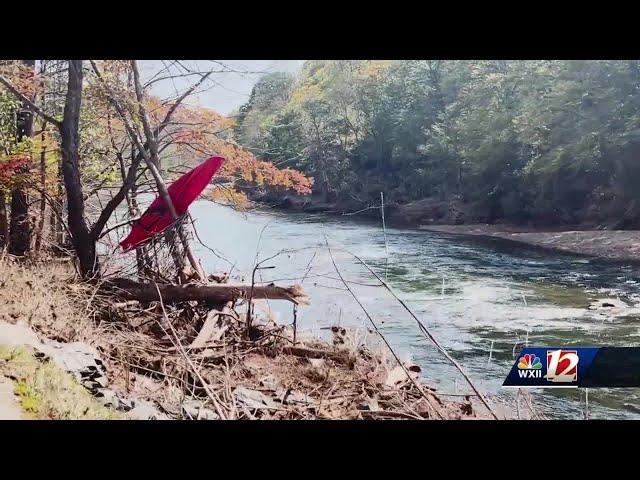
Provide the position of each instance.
(482, 299)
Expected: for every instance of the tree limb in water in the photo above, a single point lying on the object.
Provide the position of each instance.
(147, 292)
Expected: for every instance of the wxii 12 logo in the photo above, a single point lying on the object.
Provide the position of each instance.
(562, 366)
(549, 367)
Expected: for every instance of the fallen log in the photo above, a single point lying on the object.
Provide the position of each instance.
(222, 293)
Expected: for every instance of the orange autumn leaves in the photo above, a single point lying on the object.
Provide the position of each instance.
(244, 165)
(22, 77)
(194, 133)
(202, 132)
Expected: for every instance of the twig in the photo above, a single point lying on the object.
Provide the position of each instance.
(178, 344)
(586, 404)
(295, 322)
(428, 334)
(31, 105)
(384, 231)
(422, 392)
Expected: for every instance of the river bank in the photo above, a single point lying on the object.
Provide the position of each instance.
(610, 245)
(205, 366)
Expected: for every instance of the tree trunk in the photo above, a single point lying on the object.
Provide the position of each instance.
(59, 206)
(4, 227)
(155, 167)
(43, 186)
(20, 228)
(147, 292)
(82, 240)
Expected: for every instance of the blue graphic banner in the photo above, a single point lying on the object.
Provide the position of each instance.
(575, 367)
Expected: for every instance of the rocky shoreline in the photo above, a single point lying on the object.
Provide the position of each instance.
(610, 245)
(208, 365)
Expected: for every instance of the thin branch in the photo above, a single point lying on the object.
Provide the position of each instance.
(427, 333)
(346, 284)
(32, 105)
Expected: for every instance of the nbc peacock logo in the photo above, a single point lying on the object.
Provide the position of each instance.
(529, 366)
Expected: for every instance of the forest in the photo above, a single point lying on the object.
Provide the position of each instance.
(538, 142)
(96, 327)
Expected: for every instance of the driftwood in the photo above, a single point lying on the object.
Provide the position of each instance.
(210, 330)
(222, 293)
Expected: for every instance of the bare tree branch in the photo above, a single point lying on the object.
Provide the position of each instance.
(26, 100)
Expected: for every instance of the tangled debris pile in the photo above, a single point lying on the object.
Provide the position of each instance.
(202, 360)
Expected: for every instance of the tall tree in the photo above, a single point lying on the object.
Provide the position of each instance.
(83, 244)
(20, 228)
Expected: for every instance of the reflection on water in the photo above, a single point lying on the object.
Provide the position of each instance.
(469, 292)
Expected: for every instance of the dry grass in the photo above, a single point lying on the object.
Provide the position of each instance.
(46, 296)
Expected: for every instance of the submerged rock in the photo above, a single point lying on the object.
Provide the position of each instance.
(613, 307)
(607, 303)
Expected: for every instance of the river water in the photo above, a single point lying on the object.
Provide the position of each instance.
(482, 299)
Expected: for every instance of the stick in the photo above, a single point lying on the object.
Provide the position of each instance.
(221, 293)
(177, 343)
(384, 231)
(429, 335)
(422, 392)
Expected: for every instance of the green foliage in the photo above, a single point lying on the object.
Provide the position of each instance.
(549, 141)
(9, 144)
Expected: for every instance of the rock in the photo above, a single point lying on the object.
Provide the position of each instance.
(111, 399)
(78, 359)
(318, 363)
(292, 397)
(84, 363)
(10, 408)
(631, 407)
(144, 410)
(397, 376)
(607, 303)
(254, 399)
(370, 404)
(18, 335)
(195, 410)
(613, 307)
(269, 382)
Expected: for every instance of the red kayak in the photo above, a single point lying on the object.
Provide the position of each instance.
(182, 192)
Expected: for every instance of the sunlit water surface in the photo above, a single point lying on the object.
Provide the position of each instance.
(476, 296)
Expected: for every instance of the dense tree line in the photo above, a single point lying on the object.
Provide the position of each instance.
(519, 141)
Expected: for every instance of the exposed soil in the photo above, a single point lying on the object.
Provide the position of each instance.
(9, 406)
